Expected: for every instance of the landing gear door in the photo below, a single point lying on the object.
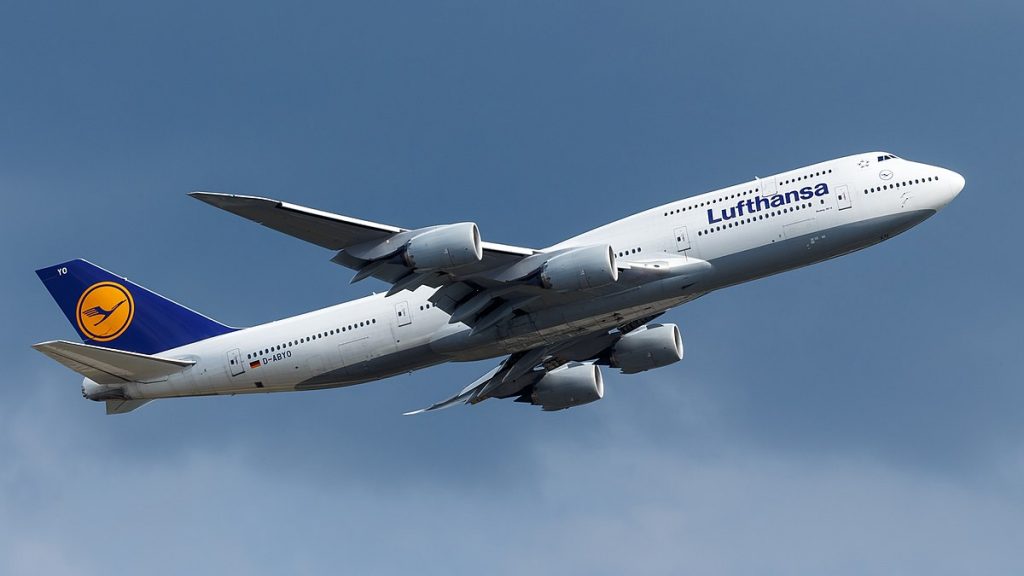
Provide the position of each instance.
(402, 313)
(682, 239)
(843, 198)
(235, 362)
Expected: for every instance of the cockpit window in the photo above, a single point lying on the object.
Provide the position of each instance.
(885, 157)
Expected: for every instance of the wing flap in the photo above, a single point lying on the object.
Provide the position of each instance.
(108, 366)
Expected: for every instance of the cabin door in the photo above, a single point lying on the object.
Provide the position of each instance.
(682, 239)
(843, 198)
(402, 313)
(235, 362)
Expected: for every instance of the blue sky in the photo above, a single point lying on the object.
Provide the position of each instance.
(859, 416)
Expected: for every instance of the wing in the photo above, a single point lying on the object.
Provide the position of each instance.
(519, 374)
(370, 248)
(480, 284)
(331, 231)
(375, 250)
(334, 231)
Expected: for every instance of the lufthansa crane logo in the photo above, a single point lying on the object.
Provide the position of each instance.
(105, 310)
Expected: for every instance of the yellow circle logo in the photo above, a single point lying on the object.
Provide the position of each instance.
(105, 310)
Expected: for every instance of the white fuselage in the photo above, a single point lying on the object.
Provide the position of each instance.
(745, 232)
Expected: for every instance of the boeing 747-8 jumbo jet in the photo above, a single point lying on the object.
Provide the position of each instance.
(556, 314)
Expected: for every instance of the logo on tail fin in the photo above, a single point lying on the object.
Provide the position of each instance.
(105, 310)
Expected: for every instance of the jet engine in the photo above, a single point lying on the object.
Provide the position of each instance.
(573, 385)
(444, 247)
(652, 346)
(580, 269)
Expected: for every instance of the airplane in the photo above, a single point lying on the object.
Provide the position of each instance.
(555, 314)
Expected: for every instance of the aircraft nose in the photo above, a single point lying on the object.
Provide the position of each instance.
(956, 184)
(953, 183)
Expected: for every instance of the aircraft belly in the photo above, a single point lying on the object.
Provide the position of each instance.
(375, 368)
(808, 248)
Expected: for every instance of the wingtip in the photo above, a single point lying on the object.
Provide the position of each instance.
(230, 201)
(208, 197)
(40, 346)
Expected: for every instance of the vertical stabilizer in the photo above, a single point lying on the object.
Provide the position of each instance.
(109, 311)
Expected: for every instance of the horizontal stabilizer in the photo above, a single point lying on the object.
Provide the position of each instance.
(108, 366)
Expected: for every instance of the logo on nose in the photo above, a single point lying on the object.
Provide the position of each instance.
(105, 310)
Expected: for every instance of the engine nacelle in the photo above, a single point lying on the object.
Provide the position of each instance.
(573, 385)
(101, 392)
(444, 247)
(653, 346)
(580, 269)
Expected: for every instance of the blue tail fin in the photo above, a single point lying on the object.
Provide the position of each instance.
(110, 311)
